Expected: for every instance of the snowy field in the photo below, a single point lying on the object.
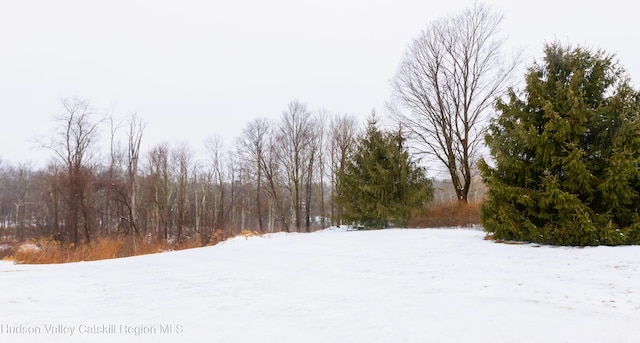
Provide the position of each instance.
(442, 285)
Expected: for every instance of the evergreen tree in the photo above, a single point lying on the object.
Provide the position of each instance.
(381, 184)
(567, 155)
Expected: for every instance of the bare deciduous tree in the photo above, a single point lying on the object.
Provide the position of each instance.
(73, 143)
(214, 147)
(136, 128)
(448, 78)
(343, 131)
(296, 133)
(161, 189)
(311, 156)
(182, 157)
(322, 119)
(134, 139)
(253, 145)
(272, 169)
(55, 181)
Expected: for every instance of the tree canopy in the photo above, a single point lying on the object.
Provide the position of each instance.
(566, 154)
(381, 185)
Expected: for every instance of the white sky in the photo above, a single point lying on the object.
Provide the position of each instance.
(193, 69)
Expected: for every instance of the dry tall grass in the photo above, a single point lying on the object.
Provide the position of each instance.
(7, 249)
(45, 251)
(448, 214)
(48, 251)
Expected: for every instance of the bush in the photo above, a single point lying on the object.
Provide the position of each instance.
(447, 214)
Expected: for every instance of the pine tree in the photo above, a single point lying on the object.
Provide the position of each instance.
(567, 154)
(381, 184)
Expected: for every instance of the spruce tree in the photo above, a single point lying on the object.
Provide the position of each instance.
(566, 154)
(381, 184)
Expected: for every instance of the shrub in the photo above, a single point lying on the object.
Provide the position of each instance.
(447, 214)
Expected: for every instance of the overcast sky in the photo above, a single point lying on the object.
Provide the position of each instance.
(193, 69)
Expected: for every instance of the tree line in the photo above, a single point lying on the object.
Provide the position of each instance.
(304, 171)
(278, 176)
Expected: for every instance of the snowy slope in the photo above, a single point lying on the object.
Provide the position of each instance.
(441, 285)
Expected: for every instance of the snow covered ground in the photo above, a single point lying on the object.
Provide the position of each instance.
(442, 285)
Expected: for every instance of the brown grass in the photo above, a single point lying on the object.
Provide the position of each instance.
(48, 251)
(448, 214)
(7, 249)
(45, 251)
(248, 233)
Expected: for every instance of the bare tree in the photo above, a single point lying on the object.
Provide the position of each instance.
(160, 189)
(451, 74)
(311, 156)
(343, 131)
(202, 182)
(272, 169)
(116, 157)
(214, 147)
(136, 128)
(253, 145)
(16, 188)
(296, 132)
(124, 180)
(322, 118)
(128, 193)
(73, 144)
(53, 197)
(182, 159)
